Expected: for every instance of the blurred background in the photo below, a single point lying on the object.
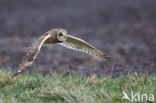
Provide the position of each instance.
(123, 29)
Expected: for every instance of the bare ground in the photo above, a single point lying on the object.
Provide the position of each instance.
(125, 30)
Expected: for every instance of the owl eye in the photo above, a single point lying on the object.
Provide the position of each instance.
(61, 36)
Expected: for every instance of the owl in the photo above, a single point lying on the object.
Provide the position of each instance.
(57, 36)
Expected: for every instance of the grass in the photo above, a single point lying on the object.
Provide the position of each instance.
(34, 88)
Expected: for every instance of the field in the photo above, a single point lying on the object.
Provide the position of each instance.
(34, 88)
(125, 30)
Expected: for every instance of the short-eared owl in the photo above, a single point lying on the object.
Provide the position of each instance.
(57, 36)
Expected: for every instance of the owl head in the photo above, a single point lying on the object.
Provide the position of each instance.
(61, 35)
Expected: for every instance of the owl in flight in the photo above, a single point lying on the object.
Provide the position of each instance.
(57, 36)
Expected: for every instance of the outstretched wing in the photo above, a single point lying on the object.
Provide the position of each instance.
(80, 45)
(31, 54)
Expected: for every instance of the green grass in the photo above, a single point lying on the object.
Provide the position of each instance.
(34, 88)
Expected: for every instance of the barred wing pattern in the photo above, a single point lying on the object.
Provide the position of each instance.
(31, 54)
(57, 36)
(80, 45)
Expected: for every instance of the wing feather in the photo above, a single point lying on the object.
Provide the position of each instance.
(31, 54)
(81, 45)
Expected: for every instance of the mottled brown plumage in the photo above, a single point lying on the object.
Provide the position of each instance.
(57, 36)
